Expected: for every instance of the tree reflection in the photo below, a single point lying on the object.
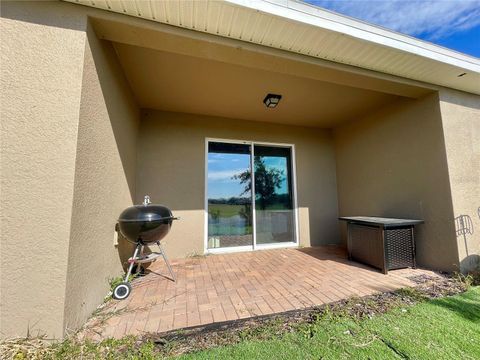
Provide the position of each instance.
(267, 181)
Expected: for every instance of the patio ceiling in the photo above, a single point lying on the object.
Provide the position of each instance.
(299, 28)
(179, 83)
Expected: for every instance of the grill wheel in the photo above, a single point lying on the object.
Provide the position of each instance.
(122, 291)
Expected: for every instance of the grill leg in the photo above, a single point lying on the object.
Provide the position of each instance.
(166, 261)
(140, 266)
(130, 267)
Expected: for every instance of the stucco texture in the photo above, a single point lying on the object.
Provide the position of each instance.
(104, 180)
(171, 169)
(461, 126)
(393, 163)
(69, 131)
(41, 80)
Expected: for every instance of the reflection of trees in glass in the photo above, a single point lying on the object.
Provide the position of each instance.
(246, 213)
(215, 214)
(267, 181)
(233, 206)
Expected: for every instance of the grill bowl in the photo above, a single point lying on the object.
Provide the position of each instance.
(145, 223)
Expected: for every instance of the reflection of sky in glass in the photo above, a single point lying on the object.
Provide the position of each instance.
(222, 167)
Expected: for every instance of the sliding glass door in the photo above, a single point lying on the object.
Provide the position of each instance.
(250, 198)
(274, 210)
(229, 195)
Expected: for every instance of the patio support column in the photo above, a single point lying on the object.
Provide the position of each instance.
(392, 163)
(461, 129)
(42, 55)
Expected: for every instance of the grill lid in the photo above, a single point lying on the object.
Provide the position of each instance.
(149, 212)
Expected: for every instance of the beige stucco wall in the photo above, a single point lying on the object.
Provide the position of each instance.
(104, 179)
(393, 163)
(171, 169)
(461, 126)
(41, 80)
(69, 130)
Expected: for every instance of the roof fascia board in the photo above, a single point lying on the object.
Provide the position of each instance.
(307, 14)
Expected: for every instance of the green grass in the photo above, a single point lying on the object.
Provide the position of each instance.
(447, 328)
(226, 210)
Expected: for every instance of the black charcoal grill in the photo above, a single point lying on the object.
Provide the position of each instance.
(143, 225)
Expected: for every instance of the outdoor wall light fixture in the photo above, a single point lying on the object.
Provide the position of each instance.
(272, 100)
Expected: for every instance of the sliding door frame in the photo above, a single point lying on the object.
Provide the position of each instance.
(254, 246)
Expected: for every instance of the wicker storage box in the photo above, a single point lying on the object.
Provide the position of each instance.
(383, 243)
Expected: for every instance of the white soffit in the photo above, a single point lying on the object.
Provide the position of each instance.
(301, 28)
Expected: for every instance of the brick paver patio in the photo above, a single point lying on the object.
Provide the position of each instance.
(220, 288)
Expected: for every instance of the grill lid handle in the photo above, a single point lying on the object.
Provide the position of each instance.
(146, 200)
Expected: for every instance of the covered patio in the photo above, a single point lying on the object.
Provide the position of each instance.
(227, 287)
(107, 104)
